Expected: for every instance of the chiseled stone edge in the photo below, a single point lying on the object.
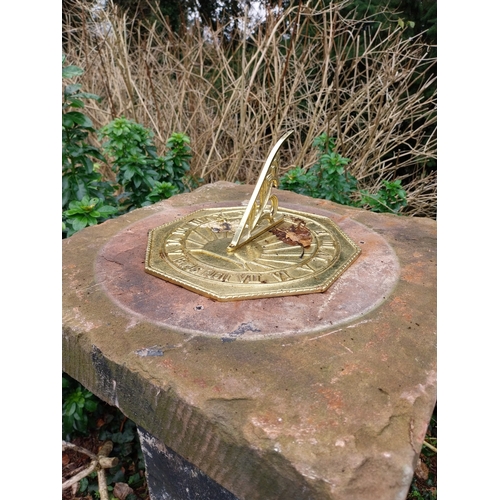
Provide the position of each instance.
(261, 475)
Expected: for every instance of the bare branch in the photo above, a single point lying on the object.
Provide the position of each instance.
(99, 462)
(310, 70)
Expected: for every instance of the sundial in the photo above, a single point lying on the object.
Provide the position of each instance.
(258, 251)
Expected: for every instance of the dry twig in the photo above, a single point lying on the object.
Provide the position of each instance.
(308, 70)
(99, 462)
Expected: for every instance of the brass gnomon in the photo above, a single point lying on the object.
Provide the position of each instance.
(260, 251)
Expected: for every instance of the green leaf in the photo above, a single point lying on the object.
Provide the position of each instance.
(72, 89)
(76, 118)
(107, 210)
(137, 182)
(72, 211)
(84, 483)
(76, 103)
(91, 405)
(71, 71)
(117, 477)
(78, 222)
(71, 409)
(127, 436)
(91, 221)
(87, 95)
(135, 479)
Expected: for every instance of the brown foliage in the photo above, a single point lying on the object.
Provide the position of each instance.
(294, 234)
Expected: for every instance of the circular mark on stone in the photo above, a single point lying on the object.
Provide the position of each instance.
(362, 288)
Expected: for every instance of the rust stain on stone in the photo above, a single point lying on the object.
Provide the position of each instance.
(167, 363)
(333, 398)
(400, 307)
(349, 368)
(269, 423)
(416, 273)
(200, 382)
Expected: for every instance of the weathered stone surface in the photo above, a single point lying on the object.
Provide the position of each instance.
(321, 396)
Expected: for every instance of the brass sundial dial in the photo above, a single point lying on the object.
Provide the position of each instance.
(254, 252)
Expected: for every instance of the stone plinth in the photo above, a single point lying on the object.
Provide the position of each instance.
(319, 396)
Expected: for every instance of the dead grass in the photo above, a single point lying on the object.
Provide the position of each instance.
(307, 70)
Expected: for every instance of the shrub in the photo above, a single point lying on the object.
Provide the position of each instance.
(329, 179)
(80, 175)
(141, 176)
(87, 212)
(391, 197)
(78, 406)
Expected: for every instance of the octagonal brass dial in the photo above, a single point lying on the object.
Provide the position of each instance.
(257, 252)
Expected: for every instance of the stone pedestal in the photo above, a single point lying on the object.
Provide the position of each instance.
(320, 396)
